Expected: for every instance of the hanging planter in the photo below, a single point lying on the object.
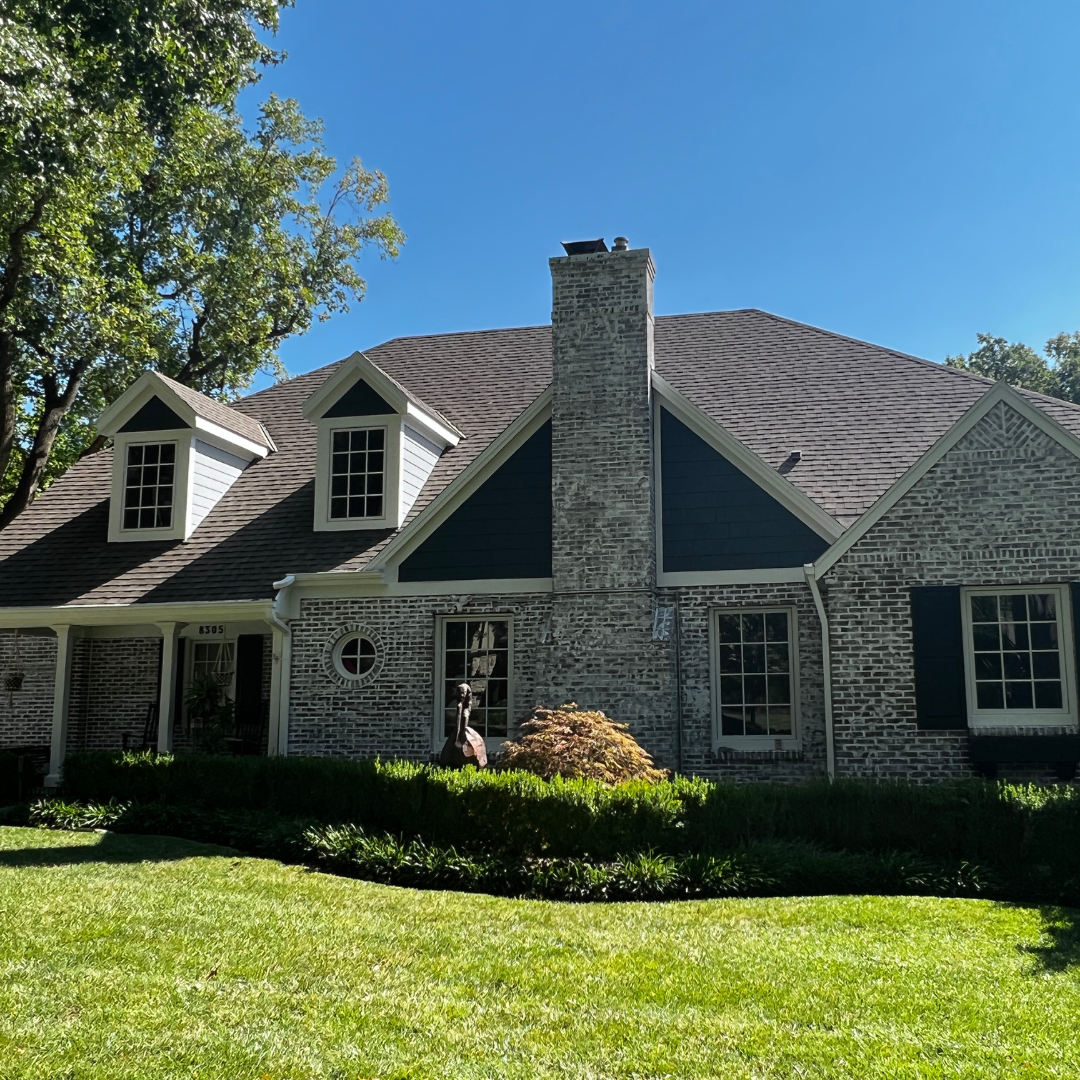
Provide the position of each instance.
(13, 678)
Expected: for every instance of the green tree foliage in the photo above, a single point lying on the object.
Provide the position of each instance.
(1056, 372)
(142, 226)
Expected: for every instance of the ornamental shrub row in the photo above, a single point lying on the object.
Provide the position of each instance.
(518, 815)
(762, 868)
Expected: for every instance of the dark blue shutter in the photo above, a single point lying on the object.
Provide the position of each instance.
(940, 698)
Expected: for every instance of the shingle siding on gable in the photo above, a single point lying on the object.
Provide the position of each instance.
(999, 508)
(714, 517)
(503, 530)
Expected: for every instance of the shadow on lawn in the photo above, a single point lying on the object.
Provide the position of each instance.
(1060, 949)
(111, 848)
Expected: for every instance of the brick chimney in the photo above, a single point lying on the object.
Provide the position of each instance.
(602, 654)
(602, 352)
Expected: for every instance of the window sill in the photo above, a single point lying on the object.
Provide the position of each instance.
(1021, 720)
(756, 744)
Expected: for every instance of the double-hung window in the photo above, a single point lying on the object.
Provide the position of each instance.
(149, 485)
(755, 676)
(358, 473)
(1018, 648)
(476, 651)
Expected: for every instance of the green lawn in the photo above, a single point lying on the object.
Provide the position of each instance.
(126, 956)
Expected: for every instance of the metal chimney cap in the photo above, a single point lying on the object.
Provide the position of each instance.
(584, 247)
(621, 244)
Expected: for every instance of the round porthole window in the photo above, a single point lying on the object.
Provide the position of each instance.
(355, 656)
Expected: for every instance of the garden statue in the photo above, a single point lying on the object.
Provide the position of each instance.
(466, 746)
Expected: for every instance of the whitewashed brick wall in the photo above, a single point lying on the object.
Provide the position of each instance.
(1000, 508)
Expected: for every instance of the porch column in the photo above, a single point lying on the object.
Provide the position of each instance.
(278, 738)
(167, 697)
(65, 643)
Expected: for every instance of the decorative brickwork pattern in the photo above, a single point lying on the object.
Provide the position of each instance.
(1000, 508)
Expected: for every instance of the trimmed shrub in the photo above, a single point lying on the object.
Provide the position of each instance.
(758, 869)
(519, 815)
(578, 744)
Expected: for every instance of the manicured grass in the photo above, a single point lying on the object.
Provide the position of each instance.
(133, 956)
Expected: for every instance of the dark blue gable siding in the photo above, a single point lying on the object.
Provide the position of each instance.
(360, 400)
(155, 415)
(716, 518)
(503, 530)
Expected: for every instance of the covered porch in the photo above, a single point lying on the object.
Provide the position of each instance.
(179, 678)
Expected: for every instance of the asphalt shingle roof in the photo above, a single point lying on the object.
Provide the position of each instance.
(860, 414)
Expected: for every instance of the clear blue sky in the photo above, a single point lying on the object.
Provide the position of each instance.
(905, 173)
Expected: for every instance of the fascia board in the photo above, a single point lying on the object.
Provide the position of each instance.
(429, 426)
(359, 366)
(229, 440)
(149, 384)
(352, 368)
(362, 583)
(465, 483)
(766, 575)
(1000, 391)
(134, 614)
(748, 463)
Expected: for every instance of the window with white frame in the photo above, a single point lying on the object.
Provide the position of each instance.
(149, 484)
(358, 473)
(355, 655)
(1017, 651)
(213, 660)
(477, 651)
(755, 674)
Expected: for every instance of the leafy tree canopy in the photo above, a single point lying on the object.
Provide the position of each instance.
(1055, 372)
(143, 226)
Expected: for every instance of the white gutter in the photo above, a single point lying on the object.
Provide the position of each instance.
(278, 742)
(826, 663)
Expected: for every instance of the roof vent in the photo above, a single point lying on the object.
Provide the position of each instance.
(584, 247)
(621, 244)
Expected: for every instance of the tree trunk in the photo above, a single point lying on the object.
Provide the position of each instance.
(56, 408)
(7, 399)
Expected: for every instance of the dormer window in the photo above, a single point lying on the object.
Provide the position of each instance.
(358, 473)
(377, 445)
(149, 483)
(175, 454)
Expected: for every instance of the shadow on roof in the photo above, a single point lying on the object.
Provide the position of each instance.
(71, 560)
(245, 565)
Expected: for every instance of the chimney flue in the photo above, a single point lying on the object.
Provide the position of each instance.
(621, 244)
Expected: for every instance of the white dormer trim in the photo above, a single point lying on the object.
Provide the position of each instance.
(357, 367)
(209, 458)
(415, 436)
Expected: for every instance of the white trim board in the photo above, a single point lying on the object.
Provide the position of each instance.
(746, 461)
(480, 469)
(358, 366)
(135, 614)
(1000, 392)
(766, 575)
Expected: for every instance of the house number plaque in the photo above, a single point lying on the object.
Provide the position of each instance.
(211, 629)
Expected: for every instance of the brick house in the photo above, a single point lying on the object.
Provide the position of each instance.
(774, 551)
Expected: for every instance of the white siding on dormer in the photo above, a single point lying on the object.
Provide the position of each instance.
(418, 458)
(214, 472)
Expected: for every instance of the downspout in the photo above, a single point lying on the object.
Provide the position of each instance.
(678, 690)
(276, 619)
(826, 664)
